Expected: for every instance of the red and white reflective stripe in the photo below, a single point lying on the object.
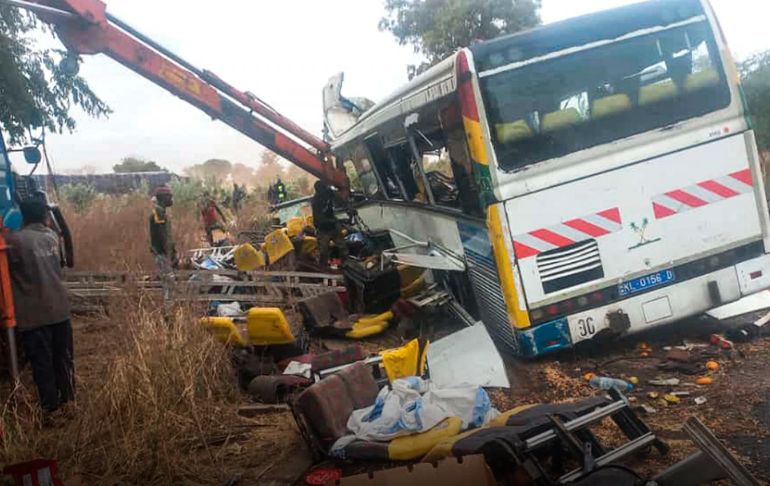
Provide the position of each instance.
(567, 233)
(702, 194)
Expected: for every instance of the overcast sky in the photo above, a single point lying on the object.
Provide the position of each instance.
(283, 51)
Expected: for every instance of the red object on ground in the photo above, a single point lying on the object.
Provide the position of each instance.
(323, 475)
(40, 472)
(723, 343)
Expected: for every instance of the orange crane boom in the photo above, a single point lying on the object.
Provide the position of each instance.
(85, 27)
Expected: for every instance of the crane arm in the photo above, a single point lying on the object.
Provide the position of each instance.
(85, 27)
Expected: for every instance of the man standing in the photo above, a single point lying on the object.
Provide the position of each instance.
(213, 217)
(161, 240)
(326, 224)
(280, 191)
(42, 305)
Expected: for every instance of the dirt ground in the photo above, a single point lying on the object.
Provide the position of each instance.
(270, 450)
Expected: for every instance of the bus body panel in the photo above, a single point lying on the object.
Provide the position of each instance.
(661, 212)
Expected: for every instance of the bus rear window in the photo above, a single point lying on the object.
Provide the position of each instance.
(555, 107)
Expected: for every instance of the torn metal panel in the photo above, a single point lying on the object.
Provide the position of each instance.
(752, 303)
(467, 357)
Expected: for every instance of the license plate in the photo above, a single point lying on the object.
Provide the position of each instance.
(645, 283)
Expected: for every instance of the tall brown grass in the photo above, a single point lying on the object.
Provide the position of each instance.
(154, 408)
(112, 232)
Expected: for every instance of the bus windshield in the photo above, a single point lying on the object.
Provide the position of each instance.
(550, 108)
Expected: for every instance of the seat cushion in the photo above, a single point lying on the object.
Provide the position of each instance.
(326, 407)
(360, 385)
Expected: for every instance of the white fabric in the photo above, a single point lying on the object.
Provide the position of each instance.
(412, 406)
(232, 309)
(298, 369)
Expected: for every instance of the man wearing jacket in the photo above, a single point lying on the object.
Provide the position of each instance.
(42, 305)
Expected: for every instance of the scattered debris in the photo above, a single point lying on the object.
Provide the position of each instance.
(633, 380)
(251, 411)
(712, 365)
(700, 400)
(704, 380)
(680, 355)
(666, 382)
(671, 398)
(721, 342)
(648, 408)
(752, 303)
(605, 383)
(467, 357)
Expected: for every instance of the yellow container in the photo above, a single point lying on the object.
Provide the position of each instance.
(415, 446)
(277, 245)
(248, 258)
(224, 330)
(268, 325)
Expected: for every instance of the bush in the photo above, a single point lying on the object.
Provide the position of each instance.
(79, 196)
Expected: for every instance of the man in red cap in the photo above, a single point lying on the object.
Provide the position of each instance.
(162, 241)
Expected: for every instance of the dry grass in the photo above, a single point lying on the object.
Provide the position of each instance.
(156, 405)
(112, 233)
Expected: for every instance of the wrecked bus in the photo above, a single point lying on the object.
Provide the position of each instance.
(596, 176)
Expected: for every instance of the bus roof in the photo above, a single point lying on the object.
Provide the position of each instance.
(401, 102)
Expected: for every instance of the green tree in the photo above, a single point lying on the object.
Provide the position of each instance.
(135, 164)
(34, 91)
(212, 168)
(755, 74)
(436, 28)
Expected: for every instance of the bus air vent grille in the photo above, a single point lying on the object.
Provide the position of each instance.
(569, 266)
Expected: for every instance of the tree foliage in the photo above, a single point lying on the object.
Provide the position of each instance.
(436, 28)
(213, 168)
(34, 91)
(135, 164)
(755, 74)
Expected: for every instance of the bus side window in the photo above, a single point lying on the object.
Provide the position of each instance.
(365, 170)
(384, 167)
(355, 181)
(402, 160)
(460, 160)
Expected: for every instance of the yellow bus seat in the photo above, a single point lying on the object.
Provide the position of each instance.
(224, 330)
(513, 132)
(370, 326)
(610, 105)
(557, 120)
(277, 245)
(294, 226)
(654, 93)
(308, 247)
(408, 360)
(248, 258)
(415, 446)
(268, 325)
(701, 79)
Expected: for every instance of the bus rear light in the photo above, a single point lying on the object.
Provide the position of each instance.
(755, 275)
(465, 88)
(536, 314)
(596, 297)
(552, 310)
